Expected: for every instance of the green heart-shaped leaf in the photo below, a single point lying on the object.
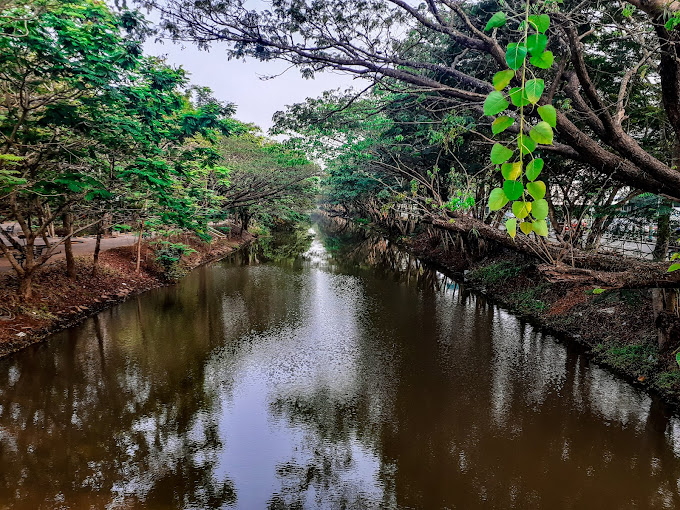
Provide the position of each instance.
(515, 55)
(534, 168)
(540, 22)
(518, 96)
(526, 227)
(544, 60)
(500, 154)
(512, 171)
(534, 90)
(541, 228)
(495, 103)
(548, 114)
(513, 189)
(496, 21)
(536, 189)
(542, 133)
(497, 199)
(521, 209)
(536, 43)
(501, 124)
(511, 227)
(539, 209)
(526, 145)
(502, 79)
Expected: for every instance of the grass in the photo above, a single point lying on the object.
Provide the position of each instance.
(497, 273)
(640, 359)
(39, 312)
(669, 380)
(526, 301)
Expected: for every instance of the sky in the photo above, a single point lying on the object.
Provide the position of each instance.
(240, 82)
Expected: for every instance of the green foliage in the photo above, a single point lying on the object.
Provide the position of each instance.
(640, 359)
(529, 93)
(497, 20)
(669, 381)
(527, 302)
(169, 255)
(497, 273)
(673, 21)
(459, 201)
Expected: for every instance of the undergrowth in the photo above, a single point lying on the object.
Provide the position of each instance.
(526, 301)
(640, 359)
(498, 272)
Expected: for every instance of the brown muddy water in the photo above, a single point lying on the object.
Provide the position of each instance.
(347, 376)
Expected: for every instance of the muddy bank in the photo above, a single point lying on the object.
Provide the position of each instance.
(616, 328)
(59, 302)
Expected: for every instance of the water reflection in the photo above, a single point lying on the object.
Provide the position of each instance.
(349, 376)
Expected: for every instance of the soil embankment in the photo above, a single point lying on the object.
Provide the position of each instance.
(59, 302)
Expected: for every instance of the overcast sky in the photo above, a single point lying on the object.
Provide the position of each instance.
(240, 82)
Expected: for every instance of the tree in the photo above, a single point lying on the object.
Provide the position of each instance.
(91, 124)
(266, 180)
(362, 38)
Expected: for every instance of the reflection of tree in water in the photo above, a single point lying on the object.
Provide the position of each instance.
(330, 462)
(353, 246)
(452, 402)
(280, 246)
(477, 408)
(109, 413)
(284, 246)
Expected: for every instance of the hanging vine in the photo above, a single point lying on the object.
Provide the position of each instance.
(515, 158)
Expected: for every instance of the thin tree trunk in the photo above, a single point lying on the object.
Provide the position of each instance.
(139, 248)
(50, 227)
(97, 247)
(68, 246)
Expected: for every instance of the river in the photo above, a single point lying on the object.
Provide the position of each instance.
(342, 374)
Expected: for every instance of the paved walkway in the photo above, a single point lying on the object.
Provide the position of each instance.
(81, 246)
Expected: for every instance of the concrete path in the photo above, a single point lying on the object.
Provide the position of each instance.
(81, 246)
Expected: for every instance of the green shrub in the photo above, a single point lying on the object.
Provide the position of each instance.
(169, 256)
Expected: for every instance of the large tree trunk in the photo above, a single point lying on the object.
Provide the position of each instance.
(665, 305)
(26, 286)
(68, 246)
(573, 265)
(663, 233)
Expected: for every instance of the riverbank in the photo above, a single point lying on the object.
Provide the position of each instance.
(616, 328)
(59, 302)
